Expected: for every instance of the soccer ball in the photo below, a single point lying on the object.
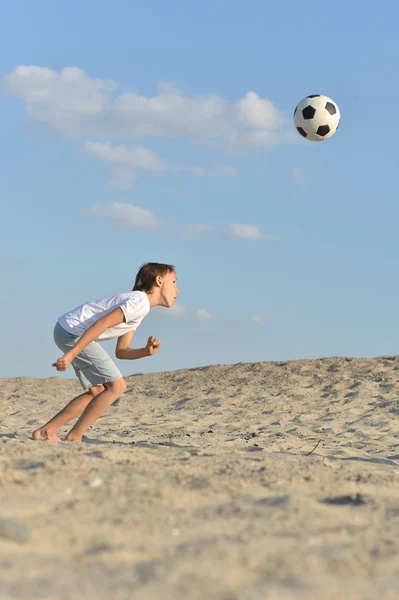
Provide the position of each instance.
(317, 118)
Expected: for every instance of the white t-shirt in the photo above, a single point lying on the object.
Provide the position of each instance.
(134, 305)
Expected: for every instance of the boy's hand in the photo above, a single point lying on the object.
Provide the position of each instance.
(63, 363)
(153, 345)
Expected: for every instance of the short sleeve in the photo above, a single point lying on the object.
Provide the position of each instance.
(134, 310)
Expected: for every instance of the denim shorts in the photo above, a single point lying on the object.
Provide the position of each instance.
(92, 366)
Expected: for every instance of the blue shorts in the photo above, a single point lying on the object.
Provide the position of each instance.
(92, 366)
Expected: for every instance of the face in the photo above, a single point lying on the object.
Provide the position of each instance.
(169, 290)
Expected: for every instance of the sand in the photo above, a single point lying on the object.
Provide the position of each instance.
(241, 482)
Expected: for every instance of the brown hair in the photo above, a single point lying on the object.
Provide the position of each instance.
(145, 278)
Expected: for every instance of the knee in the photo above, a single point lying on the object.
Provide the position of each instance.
(95, 390)
(123, 387)
(117, 387)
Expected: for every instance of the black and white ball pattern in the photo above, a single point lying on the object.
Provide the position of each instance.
(317, 118)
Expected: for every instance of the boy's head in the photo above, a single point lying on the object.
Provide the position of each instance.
(159, 281)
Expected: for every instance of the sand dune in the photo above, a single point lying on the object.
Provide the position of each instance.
(239, 482)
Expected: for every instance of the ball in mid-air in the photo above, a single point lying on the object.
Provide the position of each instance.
(317, 118)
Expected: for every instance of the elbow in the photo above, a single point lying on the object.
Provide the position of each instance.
(118, 354)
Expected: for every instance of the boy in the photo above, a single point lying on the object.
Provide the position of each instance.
(76, 332)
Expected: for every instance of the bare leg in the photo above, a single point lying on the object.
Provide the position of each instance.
(95, 409)
(72, 410)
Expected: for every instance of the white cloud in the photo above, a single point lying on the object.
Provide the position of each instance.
(77, 105)
(251, 232)
(300, 175)
(258, 319)
(61, 99)
(126, 214)
(176, 310)
(137, 156)
(194, 231)
(203, 315)
(126, 160)
(259, 113)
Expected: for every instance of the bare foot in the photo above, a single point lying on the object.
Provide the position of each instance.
(72, 438)
(45, 435)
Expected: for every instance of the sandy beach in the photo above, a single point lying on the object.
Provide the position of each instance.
(240, 482)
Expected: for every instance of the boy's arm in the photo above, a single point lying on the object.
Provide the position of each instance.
(113, 318)
(124, 352)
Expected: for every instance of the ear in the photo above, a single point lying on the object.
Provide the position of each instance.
(158, 281)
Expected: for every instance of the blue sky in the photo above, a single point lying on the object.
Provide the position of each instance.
(163, 131)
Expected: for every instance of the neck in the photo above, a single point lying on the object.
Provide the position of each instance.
(154, 298)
